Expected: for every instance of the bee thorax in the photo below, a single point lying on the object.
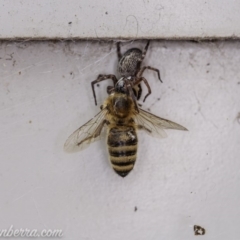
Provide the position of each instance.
(121, 107)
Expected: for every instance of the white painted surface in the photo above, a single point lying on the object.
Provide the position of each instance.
(186, 179)
(122, 19)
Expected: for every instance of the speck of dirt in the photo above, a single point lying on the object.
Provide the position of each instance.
(19, 73)
(208, 64)
(238, 118)
(97, 85)
(30, 121)
(70, 23)
(198, 230)
(106, 13)
(135, 209)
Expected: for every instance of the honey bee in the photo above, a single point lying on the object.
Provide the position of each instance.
(122, 116)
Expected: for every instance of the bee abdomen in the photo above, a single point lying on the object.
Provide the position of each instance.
(122, 147)
(123, 164)
(122, 151)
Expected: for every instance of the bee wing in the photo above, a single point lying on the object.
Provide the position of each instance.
(87, 133)
(154, 125)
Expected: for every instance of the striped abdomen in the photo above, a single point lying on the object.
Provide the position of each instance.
(122, 147)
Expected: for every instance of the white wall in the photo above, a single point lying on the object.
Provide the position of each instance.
(186, 179)
(126, 19)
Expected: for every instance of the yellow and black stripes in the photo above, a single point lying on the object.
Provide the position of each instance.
(122, 147)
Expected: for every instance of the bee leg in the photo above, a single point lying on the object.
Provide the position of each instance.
(119, 51)
(140, 73)
(102, 78)
(140, 127)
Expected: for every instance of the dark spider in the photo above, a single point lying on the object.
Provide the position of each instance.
(129, 66)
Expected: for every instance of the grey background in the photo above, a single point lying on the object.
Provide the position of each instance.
(186, 179)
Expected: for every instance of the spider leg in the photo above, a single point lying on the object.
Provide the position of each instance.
(135, 91)
(139, 93)
(146, 83)
(110, 89)
(145, 50)
(119, 51)
(141, 58)
(130, 90)
(102, 78)
(139, 74)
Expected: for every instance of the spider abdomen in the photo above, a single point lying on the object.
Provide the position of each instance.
(130, 62)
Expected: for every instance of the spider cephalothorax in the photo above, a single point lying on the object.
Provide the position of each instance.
(129, 67)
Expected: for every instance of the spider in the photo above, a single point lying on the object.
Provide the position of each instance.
(129, 66)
